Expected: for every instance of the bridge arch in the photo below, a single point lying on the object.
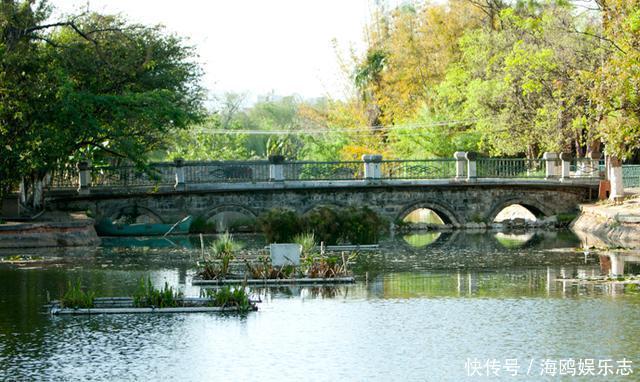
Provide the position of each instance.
(230, 208)
(538, 209)
(443, 212)
(229, 217)
(135, 211)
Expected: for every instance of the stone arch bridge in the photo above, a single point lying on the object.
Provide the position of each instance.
(457, 202)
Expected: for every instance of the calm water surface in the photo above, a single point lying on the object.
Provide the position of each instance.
(429, 305)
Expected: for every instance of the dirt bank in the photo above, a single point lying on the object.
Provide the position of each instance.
(608, 225)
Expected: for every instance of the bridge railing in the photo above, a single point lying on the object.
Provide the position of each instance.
(131, 176)
(418, 169)
(307, 170)
(584, 168)
(226, 172)
(631, 175)
(511, 168)
(463, 166)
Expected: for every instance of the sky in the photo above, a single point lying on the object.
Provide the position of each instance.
(256, 47)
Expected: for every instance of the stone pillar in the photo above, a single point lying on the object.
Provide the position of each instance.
(565, 169)
(550, 165)
(179, 166)
(460, 164)
(472, 173)
(372, 167)
(276, 168)
(615, 177)
(84, 181)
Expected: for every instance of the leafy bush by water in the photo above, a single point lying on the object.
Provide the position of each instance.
(361, 226)
(201, 225)
(280, 225)
(325, 223)
(351, 225)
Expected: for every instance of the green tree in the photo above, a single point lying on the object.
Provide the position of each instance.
(618, 80)
(92, 86)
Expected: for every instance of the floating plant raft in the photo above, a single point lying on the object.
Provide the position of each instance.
(125, 305)
(279, 281)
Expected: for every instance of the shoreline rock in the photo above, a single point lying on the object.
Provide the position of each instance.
(77, 231)
(608, 225)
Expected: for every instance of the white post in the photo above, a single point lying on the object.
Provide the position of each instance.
(565, 171)
(460, 164)
(617, 265)
(276, 169)
(372, 167)
(471, 166)
(179, 165)
(595, 164)
(550, 165)
(84, 173)
(615, 177)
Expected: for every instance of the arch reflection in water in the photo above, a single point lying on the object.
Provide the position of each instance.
(511, 241)
(421, 240)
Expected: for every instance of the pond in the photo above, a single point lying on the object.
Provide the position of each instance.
(447, 306)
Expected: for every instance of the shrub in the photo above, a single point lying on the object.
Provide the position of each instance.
(201, 225)
(76, 298)
(351, 225)
(361, 226)
(324, 222)
(280, 225)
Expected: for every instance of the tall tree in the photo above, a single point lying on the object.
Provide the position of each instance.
(86, 87)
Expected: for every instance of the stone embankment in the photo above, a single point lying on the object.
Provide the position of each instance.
(608, 225)
(70, 230)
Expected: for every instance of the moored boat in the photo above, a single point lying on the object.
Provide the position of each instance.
(109, 228)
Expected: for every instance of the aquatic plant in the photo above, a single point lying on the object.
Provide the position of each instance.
(224, 251)
(227, 297)
(263, 269)
(307, 241)
(74, 297)
(148, 296)
(225, 246)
